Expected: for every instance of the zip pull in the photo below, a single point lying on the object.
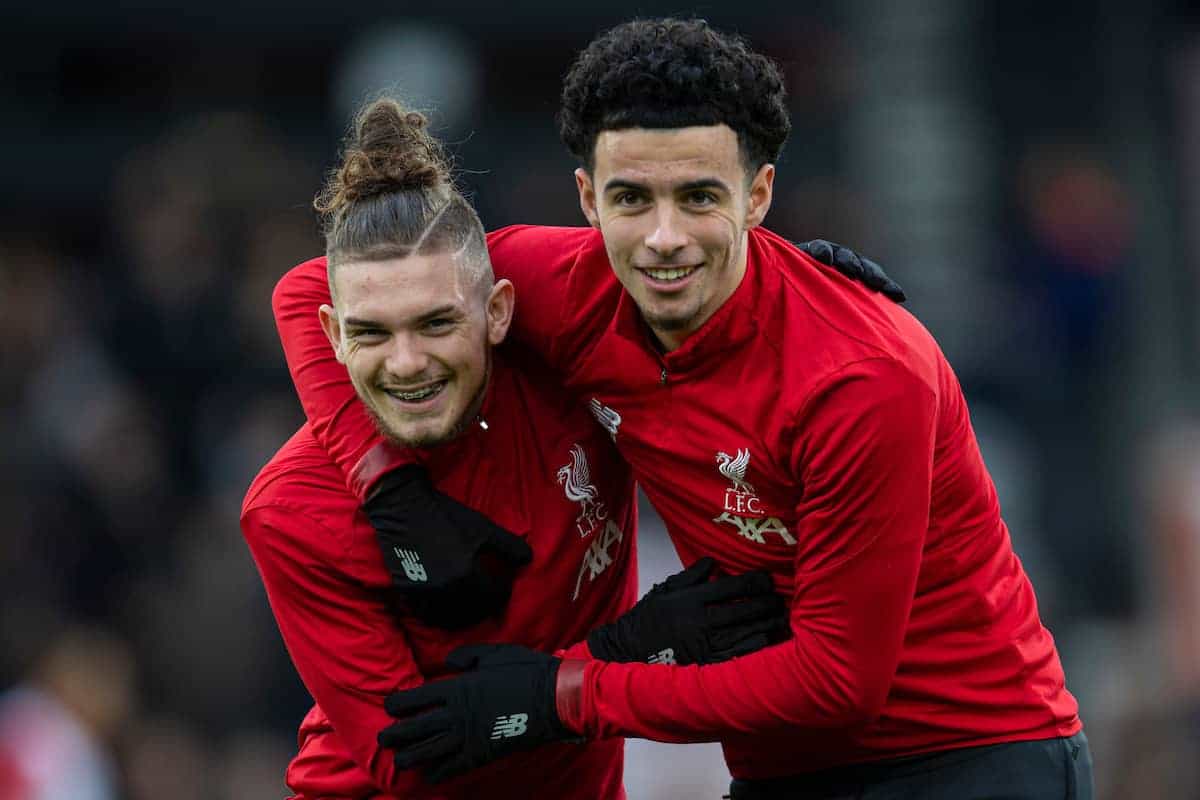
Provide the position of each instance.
(662, 377)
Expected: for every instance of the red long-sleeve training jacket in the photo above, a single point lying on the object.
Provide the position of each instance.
(541, 456)
(810, 427)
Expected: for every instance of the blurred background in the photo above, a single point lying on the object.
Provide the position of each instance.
(1028, 171)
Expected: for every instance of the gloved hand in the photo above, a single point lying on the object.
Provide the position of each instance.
(687, 619)
(854, 266)
(452, 566)
(505, 704)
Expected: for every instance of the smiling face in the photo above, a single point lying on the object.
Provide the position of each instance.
(674, 206)
(415, 334)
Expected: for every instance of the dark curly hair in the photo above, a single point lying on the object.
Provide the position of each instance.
(673, 73)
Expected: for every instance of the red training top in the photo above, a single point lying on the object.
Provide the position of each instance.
(329, 588)
(810, 427)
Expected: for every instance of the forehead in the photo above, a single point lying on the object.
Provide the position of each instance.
(397, 288)
(650, 154)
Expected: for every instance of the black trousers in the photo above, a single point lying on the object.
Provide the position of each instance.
(1047, 769)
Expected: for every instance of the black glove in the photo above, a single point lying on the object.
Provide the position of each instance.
(687, 619)
(505, 705)
(854, 266)
(451, 565)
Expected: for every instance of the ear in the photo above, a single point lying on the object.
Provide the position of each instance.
(587, 197)
(761, 189)
(333, 330)
(500, 304)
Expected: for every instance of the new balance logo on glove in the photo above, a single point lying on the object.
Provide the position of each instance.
(412, 565)
(508, 726)
(664, 656)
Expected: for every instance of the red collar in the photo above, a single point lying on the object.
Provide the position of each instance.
(731, 325)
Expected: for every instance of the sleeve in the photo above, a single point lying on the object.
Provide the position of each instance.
(340, 635)
(538, 261)
(864, 456)
(339, 421)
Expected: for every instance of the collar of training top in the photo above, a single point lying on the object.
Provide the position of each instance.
(731, 325)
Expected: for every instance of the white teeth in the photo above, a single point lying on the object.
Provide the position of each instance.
(675, 273)
(420, 394)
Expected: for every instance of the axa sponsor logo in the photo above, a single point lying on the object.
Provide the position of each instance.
(599, 556)
(609, 419)
(741, 505)
(576, 481)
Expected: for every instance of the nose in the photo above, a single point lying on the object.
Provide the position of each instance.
(668, 236)
(406, 357)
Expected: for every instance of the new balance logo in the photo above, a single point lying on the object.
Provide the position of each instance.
(609, 419)
(507, 727)
(664, 656)
(412, 565)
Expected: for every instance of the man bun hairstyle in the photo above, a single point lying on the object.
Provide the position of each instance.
(673, 73)
(393, 194)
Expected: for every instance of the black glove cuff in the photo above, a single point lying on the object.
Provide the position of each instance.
(402, 484)
(600, 642)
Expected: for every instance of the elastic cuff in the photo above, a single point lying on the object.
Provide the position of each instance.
(568, 693)
(380, 459)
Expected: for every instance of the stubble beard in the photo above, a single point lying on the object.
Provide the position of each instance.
(464, 420)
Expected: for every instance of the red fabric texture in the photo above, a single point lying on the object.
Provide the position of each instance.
(812, 428)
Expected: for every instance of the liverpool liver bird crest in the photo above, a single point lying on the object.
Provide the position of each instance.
(577, 483)
(734, 468)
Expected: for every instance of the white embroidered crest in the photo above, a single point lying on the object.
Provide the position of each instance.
(734, 468)
(576, 481)
(742, 508)
(609, 420)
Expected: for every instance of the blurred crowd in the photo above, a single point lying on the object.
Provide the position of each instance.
(144, 386)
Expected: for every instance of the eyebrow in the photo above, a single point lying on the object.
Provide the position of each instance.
(355, 322)
(446, 309)
(690, 186)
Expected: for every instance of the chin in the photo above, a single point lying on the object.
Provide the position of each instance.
(424, 434)
(670, 322)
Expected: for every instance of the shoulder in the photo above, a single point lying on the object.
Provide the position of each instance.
(824, 322)
(301, 483)
(524, 252)
(566, 290)
(532, 238)
(533, 252)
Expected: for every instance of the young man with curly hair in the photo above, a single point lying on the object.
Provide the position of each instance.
(778, 416)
